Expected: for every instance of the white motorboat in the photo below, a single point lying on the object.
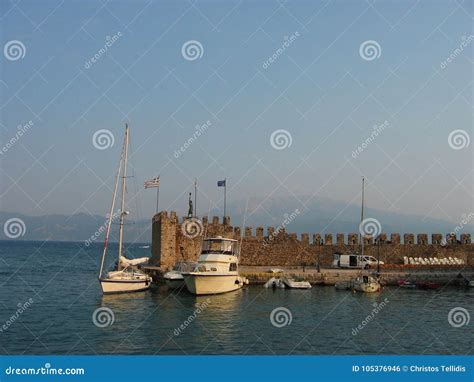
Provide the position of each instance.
(174, 278)
(293, 284)
(124, 279)
(217, 268)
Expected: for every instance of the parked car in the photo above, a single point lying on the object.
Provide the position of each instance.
(353, 260)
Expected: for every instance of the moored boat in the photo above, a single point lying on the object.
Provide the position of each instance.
(366, 284)
(124, 278)
(217, 268)
(293, 284)
(174, 279)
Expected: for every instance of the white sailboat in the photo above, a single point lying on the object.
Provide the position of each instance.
(124, 279)
(364, 283)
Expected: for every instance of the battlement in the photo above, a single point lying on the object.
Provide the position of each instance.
(170, 245)
(350, 239)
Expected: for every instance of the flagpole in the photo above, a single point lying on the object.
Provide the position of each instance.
(225, 194)
(157, 197)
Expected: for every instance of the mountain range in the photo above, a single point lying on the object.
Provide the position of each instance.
(322, 215)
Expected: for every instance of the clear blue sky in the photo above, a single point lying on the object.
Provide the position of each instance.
(319, 89)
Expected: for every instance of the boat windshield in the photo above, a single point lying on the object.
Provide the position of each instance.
(219, 246)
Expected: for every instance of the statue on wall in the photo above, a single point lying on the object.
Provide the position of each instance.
(190, 211)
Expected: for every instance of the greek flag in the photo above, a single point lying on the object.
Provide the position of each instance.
(221, 183)
(155, 182)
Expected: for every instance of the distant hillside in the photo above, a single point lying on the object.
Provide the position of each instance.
(329, 216)
(322, 215)
(79, 227)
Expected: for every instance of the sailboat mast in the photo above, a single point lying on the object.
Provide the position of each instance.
(111, 214)
(122, 208)
(362, 217)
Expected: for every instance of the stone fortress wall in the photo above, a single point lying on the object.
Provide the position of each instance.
(276, 247)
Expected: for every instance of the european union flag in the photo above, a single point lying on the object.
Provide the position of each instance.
(221, 183)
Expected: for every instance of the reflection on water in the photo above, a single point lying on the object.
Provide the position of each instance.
(160, 321)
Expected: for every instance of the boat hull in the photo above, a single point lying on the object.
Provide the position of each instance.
(212, 284)
(367, 287)
(174, 283)
(123, 286)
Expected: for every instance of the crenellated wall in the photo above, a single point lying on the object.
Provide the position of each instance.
(277, 247)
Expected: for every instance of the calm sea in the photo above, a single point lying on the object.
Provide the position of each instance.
(49, 293)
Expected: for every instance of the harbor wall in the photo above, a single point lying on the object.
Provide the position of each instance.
(276, 247)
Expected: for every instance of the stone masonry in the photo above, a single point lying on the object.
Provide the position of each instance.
(279, 248)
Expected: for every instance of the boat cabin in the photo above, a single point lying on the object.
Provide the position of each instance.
(218, 255)
(220, 245)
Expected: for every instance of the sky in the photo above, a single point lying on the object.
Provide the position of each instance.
(283, 92)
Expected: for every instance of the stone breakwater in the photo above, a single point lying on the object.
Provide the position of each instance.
(454, 275)
(279, 248)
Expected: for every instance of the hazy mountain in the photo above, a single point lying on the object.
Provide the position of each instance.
(320, 215)
(328, 215)
(79, 227)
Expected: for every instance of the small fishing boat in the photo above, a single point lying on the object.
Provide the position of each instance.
(293, 284)
(428, 285)
(125, 278)
(217, 268)
(406, 284)
(274, 283)
(174, 279)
